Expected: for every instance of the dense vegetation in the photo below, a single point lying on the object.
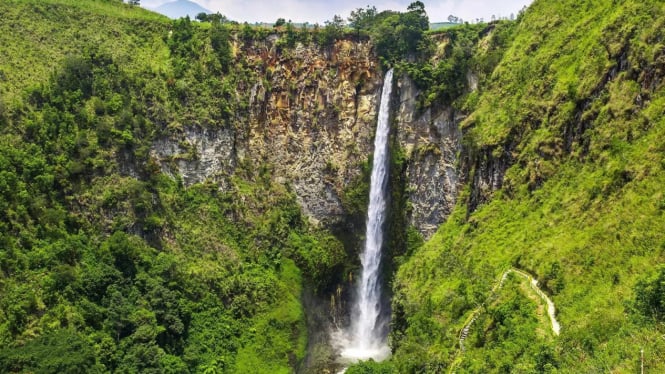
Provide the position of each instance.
(106, 264)
(573, 115)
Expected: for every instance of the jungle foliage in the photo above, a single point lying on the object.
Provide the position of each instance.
(107, 264)
(568, 110)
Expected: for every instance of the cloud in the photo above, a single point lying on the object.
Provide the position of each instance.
(314, 11)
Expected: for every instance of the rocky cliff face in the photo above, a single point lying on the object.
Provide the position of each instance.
(311, 119)
(311, 115)
(198, 154)
(431, 141)
(438, 163)
(314, 120)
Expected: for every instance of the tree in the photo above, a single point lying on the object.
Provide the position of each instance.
(134, 2)
(650, 296)
(219, 40)
(59, 351)
(76, 74)
(2, 112)
(418, 7)
(416, 12)
(362, 19)
(203, 17)
(291, 35)
(336, 23)
(247, 33)
(280, 22)
(218, 18)
(182, 44)
(305, 34)
(332, 31)
(398, 35)
(212, 18)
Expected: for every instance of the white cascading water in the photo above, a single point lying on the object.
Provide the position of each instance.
(366, 337)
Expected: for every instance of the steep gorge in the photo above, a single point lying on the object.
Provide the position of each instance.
(212, 194)
(195, 156)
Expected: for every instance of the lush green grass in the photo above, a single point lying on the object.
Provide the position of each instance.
(580, 209)
(101, 255)
(436, 26)
(107, 8)
(35, 36)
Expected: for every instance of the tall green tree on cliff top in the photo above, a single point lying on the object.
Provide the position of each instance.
(400, 35)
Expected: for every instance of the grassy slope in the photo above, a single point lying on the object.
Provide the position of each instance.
(144, 274)
(35, 36)
(586, 218)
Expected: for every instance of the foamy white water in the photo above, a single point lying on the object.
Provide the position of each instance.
(366, 337)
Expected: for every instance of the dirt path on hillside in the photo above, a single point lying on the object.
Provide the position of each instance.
(551, 310)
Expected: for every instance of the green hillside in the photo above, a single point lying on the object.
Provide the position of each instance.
(107, 265)
(574, 111)
(35, 36)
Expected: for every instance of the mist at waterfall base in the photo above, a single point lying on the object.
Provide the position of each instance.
(366, 336)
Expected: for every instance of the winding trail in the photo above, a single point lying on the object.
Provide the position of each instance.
(551, 311)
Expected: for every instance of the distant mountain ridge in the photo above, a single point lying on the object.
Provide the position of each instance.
(181, 8)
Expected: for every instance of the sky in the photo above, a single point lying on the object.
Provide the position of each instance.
(318, 11)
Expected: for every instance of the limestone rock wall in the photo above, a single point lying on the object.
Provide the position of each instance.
(198, 154)
(431, 140)
(311, 119)
(314, 120)
(311, 116)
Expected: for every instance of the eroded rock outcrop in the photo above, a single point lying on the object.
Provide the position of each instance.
(431, 140)
(311, 118)
(197, 154)
(314, 120)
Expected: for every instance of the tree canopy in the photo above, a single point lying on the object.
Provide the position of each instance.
(399, 36)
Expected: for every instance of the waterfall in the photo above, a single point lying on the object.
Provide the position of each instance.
(366, 337)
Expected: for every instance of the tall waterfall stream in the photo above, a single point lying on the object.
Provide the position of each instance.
(366, 336)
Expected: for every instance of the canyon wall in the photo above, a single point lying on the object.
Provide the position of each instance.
(311, 120)
(431, 142)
